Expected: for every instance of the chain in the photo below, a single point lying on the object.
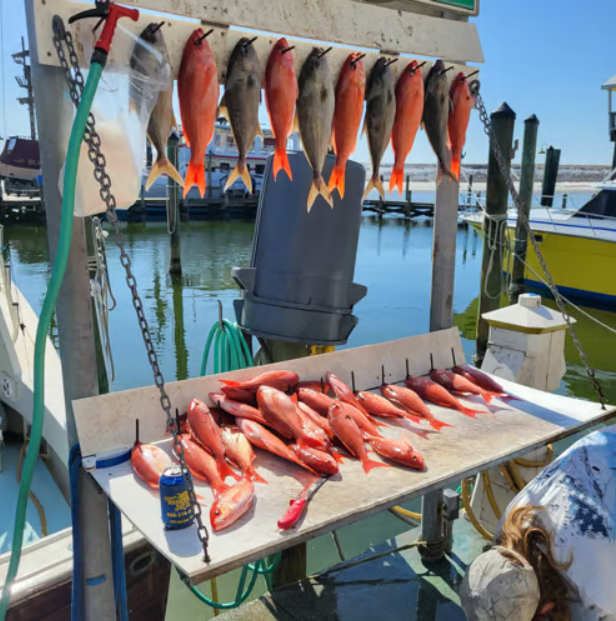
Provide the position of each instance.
(75, 82)
(504, 168)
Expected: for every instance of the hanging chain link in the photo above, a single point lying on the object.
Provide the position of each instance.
(504, 168)
(75, 82)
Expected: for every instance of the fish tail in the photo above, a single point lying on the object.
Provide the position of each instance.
(253, 475)
(319, 187)
(442, 170)
(338, 458)
(415, 419)
(195, 175)
(281, 162)
(220, 489)
(374, 184)
(487, 397)
(396, 179)
(370, 464)
(230, 383)
(337, 180)
(163, 165)
(438, 424)
(240, 170)
(226, 471)
(469, 412)
(455, 166)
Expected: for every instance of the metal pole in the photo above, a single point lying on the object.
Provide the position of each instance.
(550, 174)
(173, 192)
(445, 231)
(527, 177)
(503, 121)
(75, 329)
(469, 192)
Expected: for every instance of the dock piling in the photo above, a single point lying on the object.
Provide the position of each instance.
(469, 192)
(494, 226)
(527, 176)
(173, 196)
(550, 174)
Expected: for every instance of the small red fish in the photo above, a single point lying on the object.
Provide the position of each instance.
(239, 451)
(343, 392)
(410, 400)
(350, 435)
(431, 391)
(316, 400)
(237, 408)
(264, 439)
(202, 465)
(281, 92)
(379, 406)
(148, 462)
(206, 432)
(283, 416)
(462, 102)
(459, 384)
(400, 451)
(231, 505)
(281, 380)
(320, 461)
(317, 419)
(365, 423)
(319, 386)
(480, 378)
(239, 394)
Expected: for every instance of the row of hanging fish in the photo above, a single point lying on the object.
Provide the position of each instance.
(323, 114)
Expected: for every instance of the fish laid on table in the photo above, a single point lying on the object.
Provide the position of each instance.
(436, 115)
(162, 119)
(282, 380)
(313, 424)
(320, 461)
(282, 415)
(344, 393)
(239, 394)
(318, 386)
(462, 102)
(318, 401)
(240, 104)
(239, 451)
(315, 114)
(148, 462)
(458, 384)
(366, 424)
(316, 418)
(198, 92)
(480, 378)
(205, 431)
(409, 399)
(379, 406)
(409, 110)
(399, 451)
(431, 391)
(236, 408)
(379, 121)
(350, 435)
(231, 505)
(350, 93)
(202, 465)
(262, 438)
(280, 96)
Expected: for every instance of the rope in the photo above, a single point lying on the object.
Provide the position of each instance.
(466, 501)
(498, 226)
(527, 463)
(406, 513)
(35, 501)
(487, 483)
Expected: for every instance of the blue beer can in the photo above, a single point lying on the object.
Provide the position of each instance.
(176, 508)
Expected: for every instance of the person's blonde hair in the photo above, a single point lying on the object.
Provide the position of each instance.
(523, 532)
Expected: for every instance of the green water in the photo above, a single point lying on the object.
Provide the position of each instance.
(394, 262)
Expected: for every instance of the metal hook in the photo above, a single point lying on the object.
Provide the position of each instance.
(137, 431)
(431, 362)
(220, 322)
(322, 386)
(352, 63)
(157, 27)
(444, 71)
(391, 62)
(98, 24)
(249, 42)
(287, 50)
(353, 381)
(327, 51)
(407, 368)
(204, 36)
(383, 374)
(453, 356)
(177, 419)
(413, 69)
(470, 75)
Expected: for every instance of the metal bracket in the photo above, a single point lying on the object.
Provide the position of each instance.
(451, 512)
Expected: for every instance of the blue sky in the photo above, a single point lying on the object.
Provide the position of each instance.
(547, 57)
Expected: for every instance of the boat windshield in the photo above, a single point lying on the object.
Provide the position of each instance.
(602, 204)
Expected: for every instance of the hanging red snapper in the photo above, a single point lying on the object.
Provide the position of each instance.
(431, 391)
(239, 451)
(148, 462)
(409, 110)
(462, 102)
(400, 451)
(202, 465)
(231, 505)
(198, 92)
(459, 384)
(280, 96)
(410, 400)
(350, 92)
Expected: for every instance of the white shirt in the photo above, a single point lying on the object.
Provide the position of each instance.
(578, 494)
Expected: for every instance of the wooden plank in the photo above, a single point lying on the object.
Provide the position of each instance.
(107, 422)
(223, 39)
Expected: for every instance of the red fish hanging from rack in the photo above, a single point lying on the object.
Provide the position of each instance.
(462, 102)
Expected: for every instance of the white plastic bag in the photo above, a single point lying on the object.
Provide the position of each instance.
(121, 108)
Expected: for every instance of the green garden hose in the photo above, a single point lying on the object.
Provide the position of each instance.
(230, 348)
(55, 282)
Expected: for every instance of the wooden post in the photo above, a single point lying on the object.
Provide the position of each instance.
(527, 177)
(550, 174)
(565, 197)
(503, 121)
(407, 192)
(173, 196)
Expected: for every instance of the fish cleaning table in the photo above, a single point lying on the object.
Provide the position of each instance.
(506, 431)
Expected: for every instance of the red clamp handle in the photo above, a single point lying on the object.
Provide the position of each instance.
(294, 512)
(115, 12)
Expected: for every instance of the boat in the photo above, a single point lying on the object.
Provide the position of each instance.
(20, 164)
(579, 246)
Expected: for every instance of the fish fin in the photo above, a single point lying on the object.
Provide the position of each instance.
(230, 383)
(470, 413)
(396, 179)
(455, 166)
(240, 170)
(281, 162)
(369, 464)
(222, 109)
(487, 397)
(439, 174)
(332, 143)
(255, 476)
(415, 419)
(364, 129)
(220, 489)
(448, 139)
(337, 180)
(226, 471)
(195, 175)
(163, 165)
(438, 424)
(319, 187)
(338, 458)
(293, 398)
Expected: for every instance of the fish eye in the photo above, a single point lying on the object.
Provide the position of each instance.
(217, 512)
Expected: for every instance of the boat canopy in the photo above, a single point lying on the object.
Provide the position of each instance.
(602, 204)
